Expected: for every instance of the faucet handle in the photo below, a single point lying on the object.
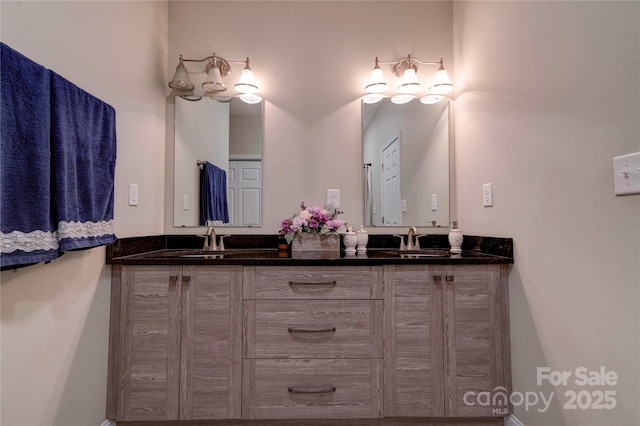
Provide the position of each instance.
(402, 246)
(221, 245)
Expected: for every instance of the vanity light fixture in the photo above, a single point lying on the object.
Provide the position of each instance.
(217, 68)
(406, 70)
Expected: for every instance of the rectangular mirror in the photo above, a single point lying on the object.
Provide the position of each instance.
(406, 163)
(227, 133)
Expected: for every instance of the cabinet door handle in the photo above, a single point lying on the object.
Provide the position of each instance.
(308, 390)
(437, 278)
(173, 279)
(186, 279)
(449, 277)
(310, 286)
(312, 330)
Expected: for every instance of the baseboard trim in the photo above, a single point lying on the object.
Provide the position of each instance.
(512, 420)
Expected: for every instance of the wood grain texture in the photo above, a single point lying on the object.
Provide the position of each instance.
(353, 379)
(313, 282)
(180, 343)
(314, 328)
(207, 347)
(149, 344)
(450, 336)
(114, 338)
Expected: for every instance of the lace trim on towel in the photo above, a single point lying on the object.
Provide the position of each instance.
(84, 229)
(28, 241)
(48, 240)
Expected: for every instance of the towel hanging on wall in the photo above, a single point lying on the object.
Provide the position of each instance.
(83, 145)
(26, 221)
(57, 163)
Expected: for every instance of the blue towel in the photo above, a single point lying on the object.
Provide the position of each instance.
(213, 195)
(27, 227)
(83, 146)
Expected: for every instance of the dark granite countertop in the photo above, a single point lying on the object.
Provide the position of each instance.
(263, 250)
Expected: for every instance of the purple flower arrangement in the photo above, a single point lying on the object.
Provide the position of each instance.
(314, 220)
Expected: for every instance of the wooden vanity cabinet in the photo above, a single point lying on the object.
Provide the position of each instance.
(446, 335)
(307, 342)
(178, 343)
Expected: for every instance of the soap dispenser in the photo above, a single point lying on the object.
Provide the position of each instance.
(455, 238)
(363, 239)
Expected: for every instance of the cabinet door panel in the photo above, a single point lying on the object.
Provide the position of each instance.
(210, 382)
(470, 339)
(149, 356)
(413, 369)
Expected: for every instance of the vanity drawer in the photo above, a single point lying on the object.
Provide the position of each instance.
(313, 282)
(316, 388)
(313, 328)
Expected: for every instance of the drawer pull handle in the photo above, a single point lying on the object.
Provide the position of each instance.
(449, 278)
(310, 286)
(308, 390)
(312, 330)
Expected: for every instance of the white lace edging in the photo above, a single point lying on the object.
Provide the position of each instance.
(48, 240)
(84, 229)
(28, 241)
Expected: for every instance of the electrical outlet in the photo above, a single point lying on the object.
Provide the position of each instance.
(403, 206)
(487, 195)
(434, 202)
(333, 197)
(133, 194)
(185, 202)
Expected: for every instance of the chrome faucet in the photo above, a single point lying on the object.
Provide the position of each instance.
(210, 240)
(412, 239)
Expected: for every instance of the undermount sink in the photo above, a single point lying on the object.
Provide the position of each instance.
(413, 253)
(221, 254)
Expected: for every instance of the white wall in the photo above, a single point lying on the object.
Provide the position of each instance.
(547, 94)
(55, 317)
(312, 60)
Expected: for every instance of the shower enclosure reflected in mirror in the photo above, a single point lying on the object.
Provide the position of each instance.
(406, 163)
(227, 133)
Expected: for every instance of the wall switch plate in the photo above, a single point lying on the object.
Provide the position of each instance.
(626, 174)
(403, 206)
(333, 197)
(133, 194)
(185, 202)
(434, 202)
(487, 195)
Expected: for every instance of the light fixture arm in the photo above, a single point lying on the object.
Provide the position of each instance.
(406, 69)
(403, 64)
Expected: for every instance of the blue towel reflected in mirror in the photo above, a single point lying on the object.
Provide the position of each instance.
(214, 208)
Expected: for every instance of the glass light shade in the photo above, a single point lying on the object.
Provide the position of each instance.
(250, 98)
(372, 98)
(402, 99)
(409, 83)
(376, 83)
(431, 99)
(441, 83)
(214, 82)
(246, 84)
(181, 80)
